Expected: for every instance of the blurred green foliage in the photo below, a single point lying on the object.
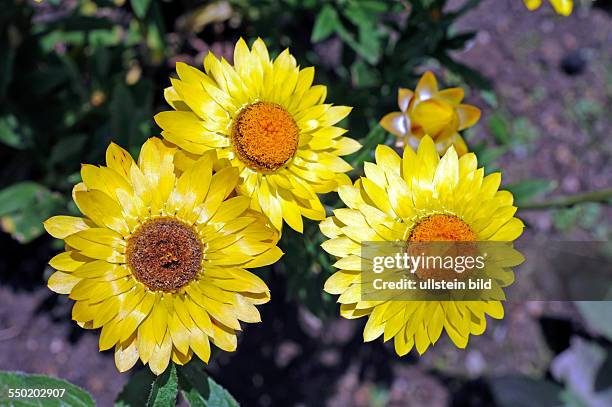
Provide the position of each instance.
(70, 83)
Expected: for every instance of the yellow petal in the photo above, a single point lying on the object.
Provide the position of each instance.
(563, 7)
(146, 339)
(189, 131)
(158, 362)
(159, 318)
(402, 343)
(179, 334)
(375, 325)
(156, 161)
(245, 310)
(62, 283)
(119, 160)
(222, 183)
(532, 4)
(199, 315)
(396, 123)
(292, 215)
(468, 116)
(102, 210)
(427, 86)
(452, 95)
(435, 117)
(191, 188)
(68, 261)
(109, 335)
(459, 144)
(62, 226)
(421, 339)
(126, 354)
(231, 209)
(198, 341)
(181, 358)
(509, 232)
(404, 96)
(224, 338)
(101, 246)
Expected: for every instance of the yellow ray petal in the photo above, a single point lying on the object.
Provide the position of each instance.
(62, 226)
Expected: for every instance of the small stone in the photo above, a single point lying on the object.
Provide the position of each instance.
(573, 63)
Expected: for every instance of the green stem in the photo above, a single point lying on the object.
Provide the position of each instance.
(603, 195)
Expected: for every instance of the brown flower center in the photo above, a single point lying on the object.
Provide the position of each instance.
(440, 228)
(164, 254)
(265, 136)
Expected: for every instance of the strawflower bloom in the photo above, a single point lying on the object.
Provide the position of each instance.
(266, 119)
(432, 112)
(562, 7)
(158, 260)
(420, 197)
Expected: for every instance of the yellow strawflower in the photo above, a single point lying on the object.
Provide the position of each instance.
(267, 119)
(420, 197)
(563, 7)
(159, 261)
(433, 112)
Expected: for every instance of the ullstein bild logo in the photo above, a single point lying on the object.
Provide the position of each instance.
(437, 270)
(456, 271)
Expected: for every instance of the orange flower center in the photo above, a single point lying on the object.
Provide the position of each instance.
(164, 254)
(265, 136)
(440, 228)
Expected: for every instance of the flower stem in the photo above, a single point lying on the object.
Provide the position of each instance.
(603, 195)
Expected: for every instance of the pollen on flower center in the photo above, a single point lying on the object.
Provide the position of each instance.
(265, 136)
(164, 254)
(440, 228)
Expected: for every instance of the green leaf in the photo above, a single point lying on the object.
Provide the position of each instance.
(200, 390)
(488, 155)
(155, 35)
(140, 7)
(326, 23)
(597, 316)
(137, 390)
(524, 131)
(490, 97)
(364, 75)
(14, 135)
(73, 396)
(18, 196)
(374, 6)
(527, 190)
(498, 125)
(67, 149)
(165, 389)
(122, 107)
(518, 391)
(23, 208)
(364, 49)
(377, 135)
